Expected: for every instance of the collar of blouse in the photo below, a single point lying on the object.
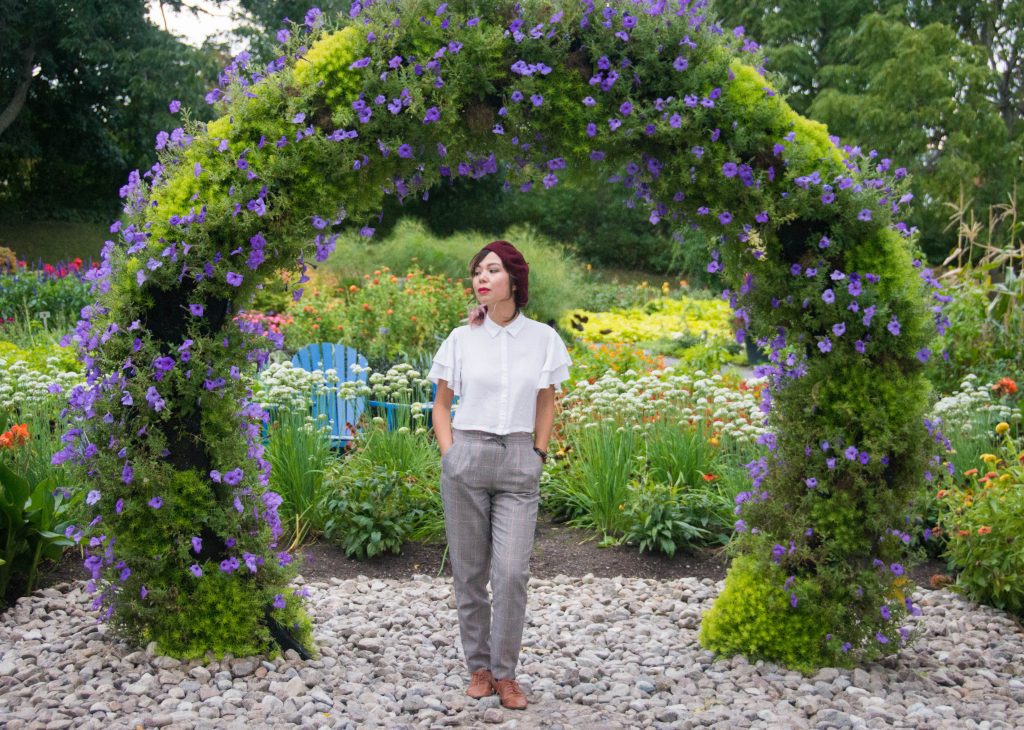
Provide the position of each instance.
(513, 328)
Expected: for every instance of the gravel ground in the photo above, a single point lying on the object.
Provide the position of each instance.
(598, 653)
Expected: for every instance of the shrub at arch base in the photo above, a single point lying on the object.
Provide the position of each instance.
(395, 98)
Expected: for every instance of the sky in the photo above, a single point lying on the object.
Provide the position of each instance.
(193, 28)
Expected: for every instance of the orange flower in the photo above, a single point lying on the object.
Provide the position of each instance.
(15, 436)
(970, 472)
(353, 288)
(942, 493)
(391, 311)
(708, 477)
(315, 326)
(984, 530)
(963, 533)
(1005, 386)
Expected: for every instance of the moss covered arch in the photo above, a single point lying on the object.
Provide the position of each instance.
(395, 98)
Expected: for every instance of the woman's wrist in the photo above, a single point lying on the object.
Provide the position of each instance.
(541, 453)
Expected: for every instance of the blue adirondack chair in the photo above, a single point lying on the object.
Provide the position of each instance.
(342, 415)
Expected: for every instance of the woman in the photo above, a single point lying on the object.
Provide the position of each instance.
(504, 367)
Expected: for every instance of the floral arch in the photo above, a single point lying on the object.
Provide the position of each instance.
(397, 97)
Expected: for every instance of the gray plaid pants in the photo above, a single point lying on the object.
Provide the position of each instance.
(490, 490)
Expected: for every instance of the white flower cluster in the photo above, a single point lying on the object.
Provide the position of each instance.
(22, 386)
(283, 385)
(631, 399)
(400, 384)
(970, 407)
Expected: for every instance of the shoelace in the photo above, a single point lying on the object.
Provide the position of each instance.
(513, 687)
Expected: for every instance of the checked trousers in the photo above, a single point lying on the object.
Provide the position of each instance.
(490, 490)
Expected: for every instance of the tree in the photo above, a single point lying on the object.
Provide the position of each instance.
(84, 88)
(933, 85)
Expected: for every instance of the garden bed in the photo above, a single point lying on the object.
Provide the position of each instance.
(558, 550)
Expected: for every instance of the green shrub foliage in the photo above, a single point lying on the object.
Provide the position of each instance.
(394, 98)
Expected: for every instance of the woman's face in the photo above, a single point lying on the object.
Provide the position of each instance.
(491, 283)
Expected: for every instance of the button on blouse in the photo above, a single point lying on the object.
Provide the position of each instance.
(496, 372)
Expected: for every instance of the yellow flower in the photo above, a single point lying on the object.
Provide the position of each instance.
(989, 458)
(1002, 428)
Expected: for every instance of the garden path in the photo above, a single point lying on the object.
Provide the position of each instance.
(598, 652)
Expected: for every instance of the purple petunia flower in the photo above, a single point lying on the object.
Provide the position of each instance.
(197, 545)
(881, 638)
(196, 571)
(127, 473)
(279, 601)
(896, 569)
(174, 107)
(536, 99)
(828, 296)
(156, 502)
(860, 346)
(825, 345)
(839, 329)
(725, 218)
(924, 354)
(850, 453)
(681, 64)
(811, 482)
(893, 326)
(885, 613)
(92, 498)
(729, 169)
(625, 109)
(233, 279)
(119, 506)
(864, 215)
(432, 115)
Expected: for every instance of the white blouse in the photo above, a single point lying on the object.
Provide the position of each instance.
(497, 371)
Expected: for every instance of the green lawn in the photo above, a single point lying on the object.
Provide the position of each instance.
(54, 241)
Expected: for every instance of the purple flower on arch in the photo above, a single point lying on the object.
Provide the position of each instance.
(864, 215)
(233, 278)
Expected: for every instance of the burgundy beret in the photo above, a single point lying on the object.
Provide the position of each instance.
(516, 266)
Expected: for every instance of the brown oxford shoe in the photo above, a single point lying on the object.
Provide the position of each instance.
(481, 684)
(511, 694)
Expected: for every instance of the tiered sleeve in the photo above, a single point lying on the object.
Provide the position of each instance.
(556, 363)
(447, 365)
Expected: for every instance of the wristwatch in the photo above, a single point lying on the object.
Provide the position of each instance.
(542, 454)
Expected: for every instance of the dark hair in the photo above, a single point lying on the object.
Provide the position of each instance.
(480, 256)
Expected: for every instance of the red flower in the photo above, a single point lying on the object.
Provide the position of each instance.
(1005, 386)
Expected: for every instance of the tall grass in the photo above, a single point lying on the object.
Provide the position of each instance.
(678, 453)
(556, 279)
(594, 491)
(299, 452)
